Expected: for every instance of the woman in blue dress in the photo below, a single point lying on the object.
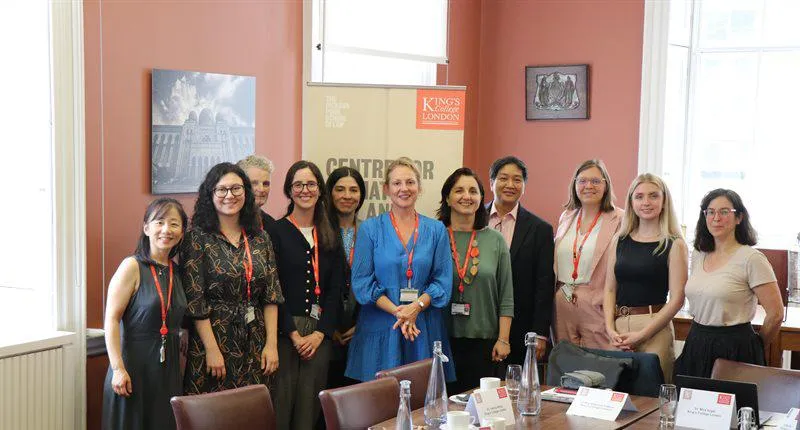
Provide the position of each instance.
(403, 278)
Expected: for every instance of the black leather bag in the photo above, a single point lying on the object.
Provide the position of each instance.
(567, 357)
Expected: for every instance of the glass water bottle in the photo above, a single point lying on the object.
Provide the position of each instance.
(436, 396)
(403, 421)
(529, 401)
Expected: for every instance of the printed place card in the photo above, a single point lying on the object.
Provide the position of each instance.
(700, 409)
(601, 404)
(792, 420)
(491, 403)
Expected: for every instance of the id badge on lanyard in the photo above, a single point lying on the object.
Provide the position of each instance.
(408, 295)
(459, 309)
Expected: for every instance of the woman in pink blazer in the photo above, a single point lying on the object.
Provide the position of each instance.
(584, 234)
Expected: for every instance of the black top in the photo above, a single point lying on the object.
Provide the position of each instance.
(296, 273)
(266, 220)
(642, 278)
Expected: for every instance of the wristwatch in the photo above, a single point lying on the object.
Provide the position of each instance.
(421, 304)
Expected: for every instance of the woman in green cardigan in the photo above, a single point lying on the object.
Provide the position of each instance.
(479, 317)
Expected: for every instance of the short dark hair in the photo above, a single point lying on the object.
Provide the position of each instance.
(328, 237)
(205, 214)
(745, 233)
(343, 172)
(443, 213)
(502, 162)
(157, 209)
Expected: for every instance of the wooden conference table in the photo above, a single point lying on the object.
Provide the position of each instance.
(554, 416)
(788, 337)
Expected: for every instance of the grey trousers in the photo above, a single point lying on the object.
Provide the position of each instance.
(298, 382)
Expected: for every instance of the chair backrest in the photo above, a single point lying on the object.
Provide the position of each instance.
(778, 389)
(779, 259)
(643, 378)
(418, 373)
(361, 405)
(239, 408)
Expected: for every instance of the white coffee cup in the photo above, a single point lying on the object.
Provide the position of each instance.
(489, 383)
(494, 423)
(459, 420)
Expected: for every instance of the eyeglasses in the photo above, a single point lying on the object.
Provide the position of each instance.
(222, 192)
(298, 186)
(594, 181)
(724, 212)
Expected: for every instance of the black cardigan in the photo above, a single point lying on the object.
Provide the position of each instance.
(293, 256)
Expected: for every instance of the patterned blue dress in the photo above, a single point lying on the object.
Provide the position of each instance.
(379, 268)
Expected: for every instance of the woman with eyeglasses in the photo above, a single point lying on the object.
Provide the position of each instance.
(646, 261)
(402, 277)
(311, 271)
(232, 287)
(582, 243)
(728, 278)
(347, 192)
(145, 308)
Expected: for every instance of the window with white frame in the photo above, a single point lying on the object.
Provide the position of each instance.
(378, 41)
(731, 108)
(27, 257)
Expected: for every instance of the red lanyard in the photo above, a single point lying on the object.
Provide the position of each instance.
(164, 309)
(353, 247)
(409, 271)
(577, 252)
(315, 260)
(248, 266)
(461, 271)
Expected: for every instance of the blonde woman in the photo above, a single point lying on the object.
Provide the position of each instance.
(403, 279)
(647, 261)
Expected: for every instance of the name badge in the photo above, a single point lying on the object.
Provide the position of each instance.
(250, 316)
(408, 295)
(316, 311)
(459, 309)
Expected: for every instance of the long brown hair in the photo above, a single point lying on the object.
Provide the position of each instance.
(607, 204)
(328, 237)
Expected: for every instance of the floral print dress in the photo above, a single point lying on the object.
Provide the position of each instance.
(216, 289)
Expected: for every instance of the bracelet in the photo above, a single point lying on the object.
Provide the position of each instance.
(504, 342)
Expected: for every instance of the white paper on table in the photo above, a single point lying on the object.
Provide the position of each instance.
(491, 403)
(601, 404)
(792, 420)
(702, 409)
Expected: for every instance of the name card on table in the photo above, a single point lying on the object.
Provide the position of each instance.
(700, 409)
(491, 403)
(601, 404)
(792, 420)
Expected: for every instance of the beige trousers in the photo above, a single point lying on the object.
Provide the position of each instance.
(660, 344)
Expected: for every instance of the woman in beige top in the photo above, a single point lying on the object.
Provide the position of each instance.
(728, 276)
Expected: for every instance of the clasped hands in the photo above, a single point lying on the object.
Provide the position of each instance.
(307, 346)
(625, 341)
(407, 320)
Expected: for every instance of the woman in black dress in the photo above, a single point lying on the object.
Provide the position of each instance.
(232, 287)
(146, 296)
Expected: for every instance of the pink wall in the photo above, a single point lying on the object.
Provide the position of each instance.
(606, 34)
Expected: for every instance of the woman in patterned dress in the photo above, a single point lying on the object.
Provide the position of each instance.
(232, 287)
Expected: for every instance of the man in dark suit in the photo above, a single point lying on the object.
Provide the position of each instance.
(530, 239)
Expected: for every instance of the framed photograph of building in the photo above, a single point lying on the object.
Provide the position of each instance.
(198, 120)
(557, 92)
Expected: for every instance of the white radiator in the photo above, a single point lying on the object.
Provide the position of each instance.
(32, 391)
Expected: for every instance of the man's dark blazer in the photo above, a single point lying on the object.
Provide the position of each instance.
(534, 280)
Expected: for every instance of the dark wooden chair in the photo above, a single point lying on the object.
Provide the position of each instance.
(361, 405)
(418, 373)
(778, 389)
(239, 408)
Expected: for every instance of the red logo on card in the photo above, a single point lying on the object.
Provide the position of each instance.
(724, 399)
(501, 393)
(687, 394)
(617, 397)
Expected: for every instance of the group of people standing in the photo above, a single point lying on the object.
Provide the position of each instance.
(318, 299)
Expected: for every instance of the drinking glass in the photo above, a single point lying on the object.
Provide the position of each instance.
(668, 402)
(513, 380)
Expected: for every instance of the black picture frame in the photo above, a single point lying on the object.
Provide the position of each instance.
(557, 92)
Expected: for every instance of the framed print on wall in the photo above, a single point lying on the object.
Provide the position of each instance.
(557, 92)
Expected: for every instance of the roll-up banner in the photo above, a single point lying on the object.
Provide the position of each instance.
(366, 127)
